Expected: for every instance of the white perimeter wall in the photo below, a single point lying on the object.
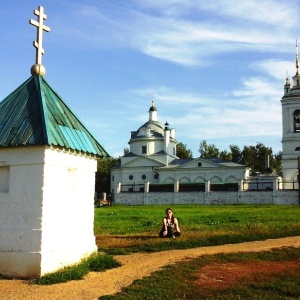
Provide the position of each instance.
(46, 210)
(241, 197)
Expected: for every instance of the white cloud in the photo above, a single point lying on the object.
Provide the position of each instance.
(260, 87)
(180, 32)
(274, 12)
(191, 43)
(275, 68)
(167, 95)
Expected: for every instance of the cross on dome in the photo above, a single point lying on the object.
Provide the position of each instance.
(38, 68)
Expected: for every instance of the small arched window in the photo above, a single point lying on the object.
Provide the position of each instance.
(297, 120)
(297, 149)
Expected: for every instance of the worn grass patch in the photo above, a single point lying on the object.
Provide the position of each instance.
(266, 275)
(96, 262)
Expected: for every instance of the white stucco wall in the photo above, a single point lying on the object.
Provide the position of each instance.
(21, 212)
(68, 209)
(209, 198)
(46, 212)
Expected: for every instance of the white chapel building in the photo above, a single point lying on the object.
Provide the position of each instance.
(48, 161)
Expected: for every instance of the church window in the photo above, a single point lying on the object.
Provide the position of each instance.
(297, 149)
(144, 149)
(143, 177)
(297, 120)
(199, 164)
(130, 177)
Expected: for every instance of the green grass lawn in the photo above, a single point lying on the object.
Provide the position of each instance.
(126, 229)
(181, 281)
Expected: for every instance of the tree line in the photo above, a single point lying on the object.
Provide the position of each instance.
(253, 156)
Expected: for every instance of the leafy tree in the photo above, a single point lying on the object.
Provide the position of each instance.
(208, 150)
(253, 157)
(183, 152)
(225, 155)
(276, 162)
(236, 153)
(103, 174)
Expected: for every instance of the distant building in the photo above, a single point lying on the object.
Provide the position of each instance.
(152, 165)
(291, 128)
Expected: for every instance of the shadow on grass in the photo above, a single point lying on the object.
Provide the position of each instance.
(265, 275)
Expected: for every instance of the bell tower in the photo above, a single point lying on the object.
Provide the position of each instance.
(290, 103)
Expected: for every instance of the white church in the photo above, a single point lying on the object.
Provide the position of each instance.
(152, 161)
(151, 173)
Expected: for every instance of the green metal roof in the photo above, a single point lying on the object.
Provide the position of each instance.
(34, 114)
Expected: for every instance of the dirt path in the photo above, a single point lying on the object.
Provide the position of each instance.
(134, 266)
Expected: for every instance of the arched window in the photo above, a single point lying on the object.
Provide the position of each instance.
(297, 149)
(169, 180)
(184, 180)
(297, 120)
(199, 179)
(231, 179)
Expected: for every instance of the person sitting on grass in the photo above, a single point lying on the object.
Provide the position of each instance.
(170, 226)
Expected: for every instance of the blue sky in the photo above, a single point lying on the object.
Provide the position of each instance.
(215, 69)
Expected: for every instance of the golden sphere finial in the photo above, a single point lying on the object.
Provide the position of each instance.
(38, 70)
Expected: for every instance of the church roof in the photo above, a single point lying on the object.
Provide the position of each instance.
(155, 127)
(180, 161)
(34, 114)
(217, 161)
(223, 162)
(130, 154)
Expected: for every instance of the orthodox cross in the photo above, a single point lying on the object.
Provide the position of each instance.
(38, 44)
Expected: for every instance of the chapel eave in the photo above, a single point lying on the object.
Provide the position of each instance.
(34, 114)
